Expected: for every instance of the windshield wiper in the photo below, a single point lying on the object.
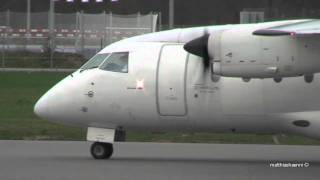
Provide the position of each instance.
(93, 67)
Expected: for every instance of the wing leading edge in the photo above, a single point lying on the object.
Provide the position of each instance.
(305, 28)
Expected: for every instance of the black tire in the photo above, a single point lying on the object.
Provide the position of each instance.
(101, 150)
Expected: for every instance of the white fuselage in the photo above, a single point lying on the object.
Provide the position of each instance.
(168, 89)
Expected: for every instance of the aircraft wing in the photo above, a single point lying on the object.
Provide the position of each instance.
(300, 29)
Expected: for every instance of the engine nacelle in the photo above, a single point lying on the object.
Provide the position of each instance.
(239, 53)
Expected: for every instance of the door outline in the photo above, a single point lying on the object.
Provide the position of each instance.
(184, 79)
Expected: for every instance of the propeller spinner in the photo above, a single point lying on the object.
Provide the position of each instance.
(199, 47)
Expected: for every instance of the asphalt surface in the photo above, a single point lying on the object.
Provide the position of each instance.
(151, 161)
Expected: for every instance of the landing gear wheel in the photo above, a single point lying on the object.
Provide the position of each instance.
(101, 150)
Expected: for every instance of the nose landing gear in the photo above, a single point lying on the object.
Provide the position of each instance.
(101, 150)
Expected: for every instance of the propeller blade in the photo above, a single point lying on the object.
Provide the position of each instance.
(199, 47)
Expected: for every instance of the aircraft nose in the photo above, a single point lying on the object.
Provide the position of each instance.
(41, 108)
(57, 104)
(60, 104)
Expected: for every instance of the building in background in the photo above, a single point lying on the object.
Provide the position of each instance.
(252, 16)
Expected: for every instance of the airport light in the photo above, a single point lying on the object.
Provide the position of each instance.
(28, 14)
(171, 14)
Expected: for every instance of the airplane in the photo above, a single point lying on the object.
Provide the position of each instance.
(245, 78)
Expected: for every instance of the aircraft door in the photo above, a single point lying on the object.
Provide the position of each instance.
(171, 98)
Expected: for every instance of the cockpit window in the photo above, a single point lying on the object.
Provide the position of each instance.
(95, 61)
(116, 62)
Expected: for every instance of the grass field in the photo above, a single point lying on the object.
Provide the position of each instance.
(19, 92)
(41, 60)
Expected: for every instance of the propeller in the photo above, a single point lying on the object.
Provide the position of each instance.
(199, 47)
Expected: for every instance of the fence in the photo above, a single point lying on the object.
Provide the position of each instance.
(64, 40)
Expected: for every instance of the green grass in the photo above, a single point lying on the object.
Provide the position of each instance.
(222, 138)
(25, 59)
(19, 92)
